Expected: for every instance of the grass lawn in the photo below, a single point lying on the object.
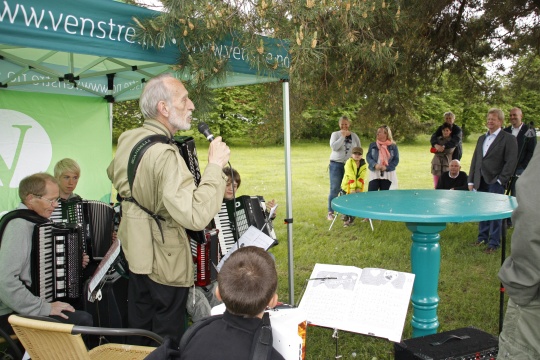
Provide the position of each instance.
(468, 284)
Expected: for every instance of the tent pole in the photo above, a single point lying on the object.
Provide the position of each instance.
(288, 185)
(112, 200)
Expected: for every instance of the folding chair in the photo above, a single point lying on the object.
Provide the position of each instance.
(341, 192)
(44, 339)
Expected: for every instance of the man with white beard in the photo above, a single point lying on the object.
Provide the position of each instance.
(162, 202)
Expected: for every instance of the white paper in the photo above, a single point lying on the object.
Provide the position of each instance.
(252, 237)
(272, 212)
(367, 301)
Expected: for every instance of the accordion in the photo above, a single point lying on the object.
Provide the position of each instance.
(96, 219)
(204, 244)
(205, 258)
(236, 216)
(56, 262)
(188, 151)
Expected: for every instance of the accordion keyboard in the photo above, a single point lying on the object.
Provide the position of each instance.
(226, 229)
(57, 262)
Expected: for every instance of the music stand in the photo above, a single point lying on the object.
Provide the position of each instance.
(335, 333)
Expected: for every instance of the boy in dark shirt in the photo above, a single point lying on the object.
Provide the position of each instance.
(247, 285)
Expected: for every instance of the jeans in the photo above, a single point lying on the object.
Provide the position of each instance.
(336, 170)
(490, 231)
(520, 336)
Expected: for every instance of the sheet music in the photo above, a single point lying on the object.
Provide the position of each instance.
(103, 267)
(252, 237)
(368, 301)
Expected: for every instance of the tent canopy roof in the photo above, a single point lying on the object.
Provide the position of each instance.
(87, 48)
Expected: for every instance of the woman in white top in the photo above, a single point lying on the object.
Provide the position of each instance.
(341, 143)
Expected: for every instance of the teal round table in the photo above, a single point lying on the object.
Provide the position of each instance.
(426, 213)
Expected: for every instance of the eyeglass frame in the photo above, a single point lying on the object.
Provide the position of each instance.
(51, 202)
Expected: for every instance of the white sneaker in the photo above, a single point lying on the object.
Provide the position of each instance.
(330, 216)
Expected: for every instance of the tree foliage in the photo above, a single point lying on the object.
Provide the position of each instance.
(335, 46)
(237, 111)
(126, 115)
(523, 88)
(399, 62)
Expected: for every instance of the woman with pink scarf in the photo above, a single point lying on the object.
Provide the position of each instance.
(382, 158)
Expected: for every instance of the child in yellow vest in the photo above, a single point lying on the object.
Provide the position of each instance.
(355, 177)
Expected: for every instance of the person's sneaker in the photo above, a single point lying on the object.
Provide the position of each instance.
(330, 216)
(478, 243)
(347, 223)
(490, 250)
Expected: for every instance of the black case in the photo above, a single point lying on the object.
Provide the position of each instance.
(111, 310)
(463, 344)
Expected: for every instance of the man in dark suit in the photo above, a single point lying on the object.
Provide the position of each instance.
(526, 139)
(455, 142)
(492, 166)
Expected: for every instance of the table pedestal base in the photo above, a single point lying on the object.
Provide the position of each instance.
(425, 264)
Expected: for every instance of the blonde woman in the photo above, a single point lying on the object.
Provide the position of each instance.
(382, 158)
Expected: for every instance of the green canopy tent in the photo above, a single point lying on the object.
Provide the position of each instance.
(53, 50)
(90, 46)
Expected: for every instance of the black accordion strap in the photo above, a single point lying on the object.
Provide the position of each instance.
(153, 215)
(262, 345)
(138, 151)
(134, 159)
(26, 214)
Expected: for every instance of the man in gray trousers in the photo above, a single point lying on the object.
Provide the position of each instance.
(520, 273)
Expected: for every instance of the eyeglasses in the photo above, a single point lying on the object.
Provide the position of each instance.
(51, 202)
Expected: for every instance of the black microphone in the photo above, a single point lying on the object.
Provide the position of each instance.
(205, 130)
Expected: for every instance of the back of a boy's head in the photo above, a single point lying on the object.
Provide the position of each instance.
(247, 281)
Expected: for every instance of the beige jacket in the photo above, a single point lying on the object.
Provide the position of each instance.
(164, 185)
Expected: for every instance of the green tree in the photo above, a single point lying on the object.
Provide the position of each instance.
(334, 45)
(236, 112)
(126, 115)
(523, 88)
(402, 63)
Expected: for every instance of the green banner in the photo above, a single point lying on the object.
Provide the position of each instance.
(37, 130)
